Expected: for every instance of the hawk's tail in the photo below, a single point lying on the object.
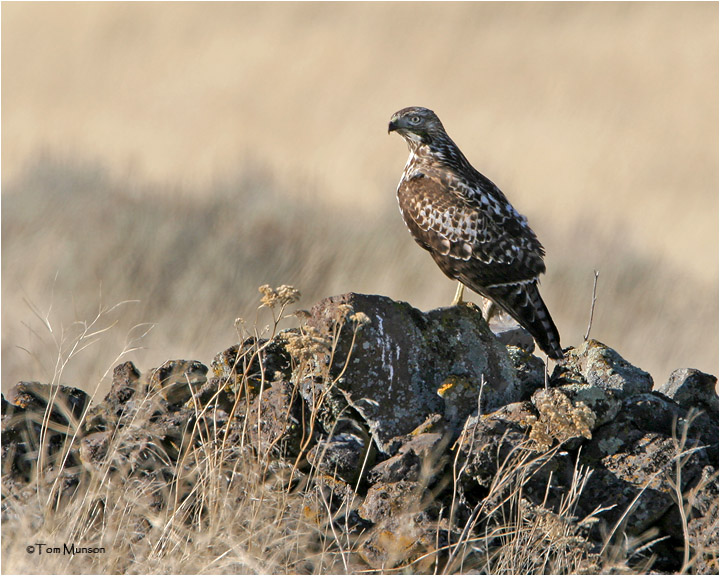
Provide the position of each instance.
(524, 303)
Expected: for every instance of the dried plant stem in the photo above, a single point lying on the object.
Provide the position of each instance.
(592, 305)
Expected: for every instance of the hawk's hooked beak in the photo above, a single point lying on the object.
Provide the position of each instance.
(393, 125)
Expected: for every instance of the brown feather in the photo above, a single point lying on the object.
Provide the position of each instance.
(467, 224)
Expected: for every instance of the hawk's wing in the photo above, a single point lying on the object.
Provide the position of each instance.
(472, 232)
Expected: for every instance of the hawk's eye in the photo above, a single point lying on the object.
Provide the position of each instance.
(414, 119)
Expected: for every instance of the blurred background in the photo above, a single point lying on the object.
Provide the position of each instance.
(160, 161)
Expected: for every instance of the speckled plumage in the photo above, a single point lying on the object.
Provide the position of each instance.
(467, 224)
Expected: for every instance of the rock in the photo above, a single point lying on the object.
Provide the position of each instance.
(650, 412)
(124, 386)
(488, 440)
(514, 336)
(36, 422)
(422, 458)
(330, 499)
(404, 515)
(396, 431)
(505, 327)
(390, 500)
(703, 522)
(595, 364)
(94, 448)
(246, 366)
(402, 358)
(68, 404)
(654, 412)
(559, 418)
(214, 395)
(119, 402)
(276, 422)
(17, 431)
(635, 481)
(529, 370)
(344, 454)
(500, 445)
(178, 380)
(403, 542)
(693, 389)
(604, 404)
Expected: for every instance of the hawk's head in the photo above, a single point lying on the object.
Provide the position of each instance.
(417, 124)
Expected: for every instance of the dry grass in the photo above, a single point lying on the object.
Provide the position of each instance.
(225, 504)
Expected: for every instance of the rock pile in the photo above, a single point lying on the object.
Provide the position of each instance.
(423, 427)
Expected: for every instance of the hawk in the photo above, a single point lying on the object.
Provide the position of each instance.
(470, 229)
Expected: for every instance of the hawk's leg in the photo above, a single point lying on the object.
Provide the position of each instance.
(490, 309)
(459, 294)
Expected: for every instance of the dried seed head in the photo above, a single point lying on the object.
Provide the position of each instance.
(270, 296)
(342, 311)
(360, 318)
(305, 344)
(282, 295)
(288, 294)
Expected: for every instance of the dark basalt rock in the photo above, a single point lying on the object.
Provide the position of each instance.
(344, 455)
(403, 360)
(602, 367)
(637, 478)
(274, 420)
(67, 403)
(693, 389)
(406, 426)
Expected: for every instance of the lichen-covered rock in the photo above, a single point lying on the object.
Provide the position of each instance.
(487, 441)
(398, 430)
(246, 366)
(500, 444)
(67, 404)
(330, 499)
(636, 481)
(651, 412)
(124, 386)
(36, 421)
(215, 395)
(178, 380)
(391, 369)
(604, 404)
(392, 499)
(529, 370)
(421, 458)
(346, 454)
(275, 420)
(559, 419)
(514, 336)
(405, 521)
(602, 367)
(404, 541)
(693, 389)
(94, 448)
(703, 522)
(654, 412)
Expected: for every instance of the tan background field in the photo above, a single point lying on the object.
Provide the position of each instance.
(181, 155)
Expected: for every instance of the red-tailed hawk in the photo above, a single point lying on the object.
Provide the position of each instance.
(467, 224)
